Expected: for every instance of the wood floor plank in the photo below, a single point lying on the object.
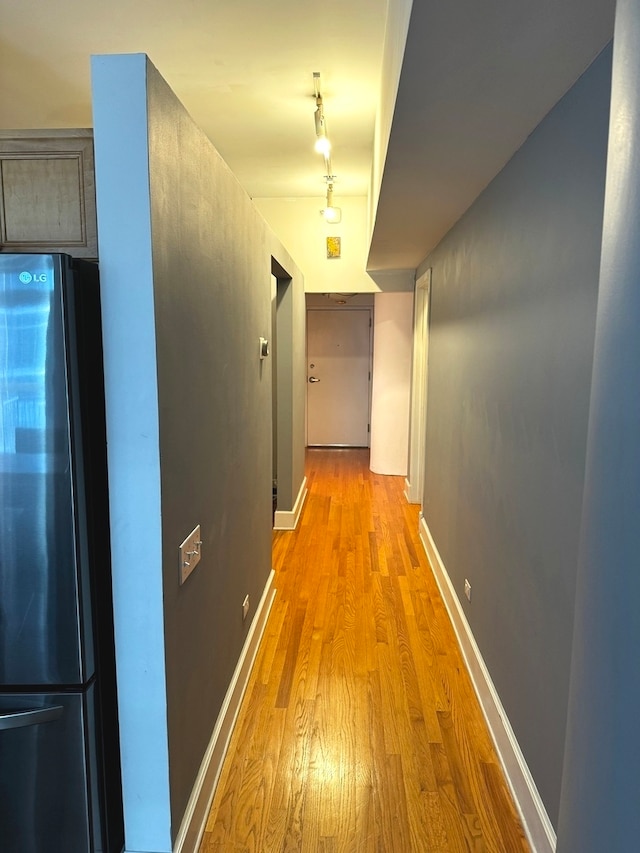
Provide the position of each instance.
(292, 658)
(359, 731)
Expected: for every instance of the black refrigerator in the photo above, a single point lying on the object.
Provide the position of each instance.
(60, 786)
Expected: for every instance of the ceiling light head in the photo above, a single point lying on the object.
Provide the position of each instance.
(331, 214)
(319, 119)
(323, 146)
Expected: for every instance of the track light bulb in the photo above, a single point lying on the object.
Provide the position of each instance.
(323, 146)
(332, 215)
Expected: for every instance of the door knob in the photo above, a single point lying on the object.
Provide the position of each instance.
(313, 379)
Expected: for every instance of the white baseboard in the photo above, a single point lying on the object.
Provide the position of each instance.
(409, 492)
(538, 828)
(197, 811)
(288, 520)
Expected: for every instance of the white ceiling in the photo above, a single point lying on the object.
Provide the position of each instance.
(477, 78)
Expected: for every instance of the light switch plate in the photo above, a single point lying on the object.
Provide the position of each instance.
(190, 551)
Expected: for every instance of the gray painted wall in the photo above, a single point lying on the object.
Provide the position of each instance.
(600, 786)
(186, 264)
(514, 293)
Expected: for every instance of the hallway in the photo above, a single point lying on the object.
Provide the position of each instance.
(359, 730)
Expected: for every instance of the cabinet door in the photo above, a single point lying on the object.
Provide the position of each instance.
(48, 192)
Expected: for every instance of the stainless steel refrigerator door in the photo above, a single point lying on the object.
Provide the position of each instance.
(45, 773)
(41, 596)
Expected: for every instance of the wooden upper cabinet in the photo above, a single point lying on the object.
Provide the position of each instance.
(47, 192)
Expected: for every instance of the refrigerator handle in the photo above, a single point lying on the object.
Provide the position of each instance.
(18, 719)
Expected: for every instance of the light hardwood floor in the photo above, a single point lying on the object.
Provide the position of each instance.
(359, 731)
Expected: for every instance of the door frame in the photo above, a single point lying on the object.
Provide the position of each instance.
(336, 307)
(414, 483)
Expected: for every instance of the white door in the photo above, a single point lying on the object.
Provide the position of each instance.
(338, 376)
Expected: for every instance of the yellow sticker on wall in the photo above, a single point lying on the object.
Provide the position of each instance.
(333, 247)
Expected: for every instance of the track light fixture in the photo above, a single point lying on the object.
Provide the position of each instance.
(323, 146)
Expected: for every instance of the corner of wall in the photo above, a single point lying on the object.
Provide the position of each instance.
(537, 825)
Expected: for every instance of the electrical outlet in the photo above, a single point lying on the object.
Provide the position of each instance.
(467, 589)
(245, 607)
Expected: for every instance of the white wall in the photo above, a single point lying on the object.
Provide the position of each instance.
(134, 452)
(398, 15)
(300, 226)
(392, 344)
